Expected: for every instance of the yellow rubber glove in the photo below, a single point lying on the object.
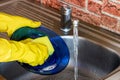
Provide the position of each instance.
(30, 51)
(10, 23)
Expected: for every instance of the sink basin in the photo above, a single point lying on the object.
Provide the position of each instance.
(94, 62)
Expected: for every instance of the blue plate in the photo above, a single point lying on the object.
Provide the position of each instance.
(56, 62)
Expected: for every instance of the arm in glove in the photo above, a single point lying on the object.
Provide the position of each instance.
(31, 51)
(10, 23)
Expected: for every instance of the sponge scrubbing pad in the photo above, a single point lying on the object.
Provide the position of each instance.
(44, 41)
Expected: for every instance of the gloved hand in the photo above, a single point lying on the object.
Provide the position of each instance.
(31, 51)
(10, 23)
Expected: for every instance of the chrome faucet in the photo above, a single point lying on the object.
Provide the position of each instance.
(66, 21)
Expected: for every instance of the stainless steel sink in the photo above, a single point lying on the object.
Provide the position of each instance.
(99, 49)
(94, 62)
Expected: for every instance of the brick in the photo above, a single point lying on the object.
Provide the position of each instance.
(80, 3)
(112, 8)
(119, 26)
(109, 22)
(89, 18)
(98, 1)
(118, 0)
(119, 30)
(94, 7)
(105, 2)
(52, 3)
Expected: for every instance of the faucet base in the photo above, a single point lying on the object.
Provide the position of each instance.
(66, 30)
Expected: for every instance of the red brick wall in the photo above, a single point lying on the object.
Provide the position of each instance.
(102, 13)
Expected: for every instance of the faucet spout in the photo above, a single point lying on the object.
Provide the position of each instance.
(66, 21)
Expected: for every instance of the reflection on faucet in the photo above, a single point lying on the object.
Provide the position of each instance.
(66, 22)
